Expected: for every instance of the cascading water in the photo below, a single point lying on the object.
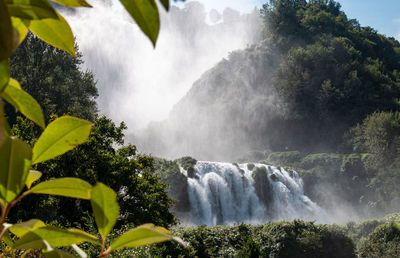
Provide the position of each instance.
(225, 194)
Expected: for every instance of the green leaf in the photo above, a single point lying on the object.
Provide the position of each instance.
(23, 102)
(105, 208)
(21, 27)
(22, 228)
(7, 239)
(68, 187)
(140, 236)
(4, 73)
(55, 32)
(54, 236)
(33, 176)
(165, 3)
(15, 161)
(145, 13)
(60, 136)
(6, 32)
(73, 3)
(31, 10)
(58, 254)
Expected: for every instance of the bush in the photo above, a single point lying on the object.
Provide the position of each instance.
(304, 239)
(282, 239)
(383, 242)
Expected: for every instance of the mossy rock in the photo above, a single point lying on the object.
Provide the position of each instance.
(170, 173)
(331, 160)
(188, 163)
(353, 165)
(285, 158)
(250, 166)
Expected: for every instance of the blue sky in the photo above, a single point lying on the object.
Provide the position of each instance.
(382, 15)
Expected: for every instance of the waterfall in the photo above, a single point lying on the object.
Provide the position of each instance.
(225, 194)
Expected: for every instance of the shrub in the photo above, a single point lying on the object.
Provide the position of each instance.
(383, 242)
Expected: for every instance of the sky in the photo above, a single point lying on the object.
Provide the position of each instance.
(382, 15)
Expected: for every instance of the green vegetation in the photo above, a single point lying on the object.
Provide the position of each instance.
(318, 82)
(371, 238)
(316, 75)
(18, 159)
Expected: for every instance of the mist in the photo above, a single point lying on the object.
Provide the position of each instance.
(138, 84)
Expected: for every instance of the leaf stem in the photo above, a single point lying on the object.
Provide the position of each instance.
(4, 213)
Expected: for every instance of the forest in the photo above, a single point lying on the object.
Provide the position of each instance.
(318, 94)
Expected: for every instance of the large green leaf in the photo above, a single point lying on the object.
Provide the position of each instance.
(7, 239)
(31, 9)
(68, 187)
(105, 208)
(6, 33)
(60, 136)
(56, 32)
(54, 236)
(140, 236)
(22, 228)
(58, 254)
(73, 3)
(4, 73)
(15, 161)
(165, 3)
(22, 28)
(33, 176)
(145, 13)
(23, 102)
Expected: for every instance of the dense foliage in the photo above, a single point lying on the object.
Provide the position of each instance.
(141, 195)
(282, 239)
(54, 79)
(334, 73)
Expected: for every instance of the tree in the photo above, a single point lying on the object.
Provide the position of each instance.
(54, 79)
(141, 195)
(58, 137)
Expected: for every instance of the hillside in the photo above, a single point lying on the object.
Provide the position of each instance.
(314, 76)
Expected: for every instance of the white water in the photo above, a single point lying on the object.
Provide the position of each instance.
(223, 194)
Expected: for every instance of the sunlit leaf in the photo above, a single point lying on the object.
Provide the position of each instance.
(22, 228)
(31, 10)
(15, 161)
(21, 27)
(23, 102)
(105, 208)
(73, 3)
(7, 239)
(140, 236)
(54, 236)
(6, 32)
(145, 13)
(33, 176)
(165, 3)
(68, 187)
(55, 32)
(57, 254)
(60, 136)
(4, 73)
